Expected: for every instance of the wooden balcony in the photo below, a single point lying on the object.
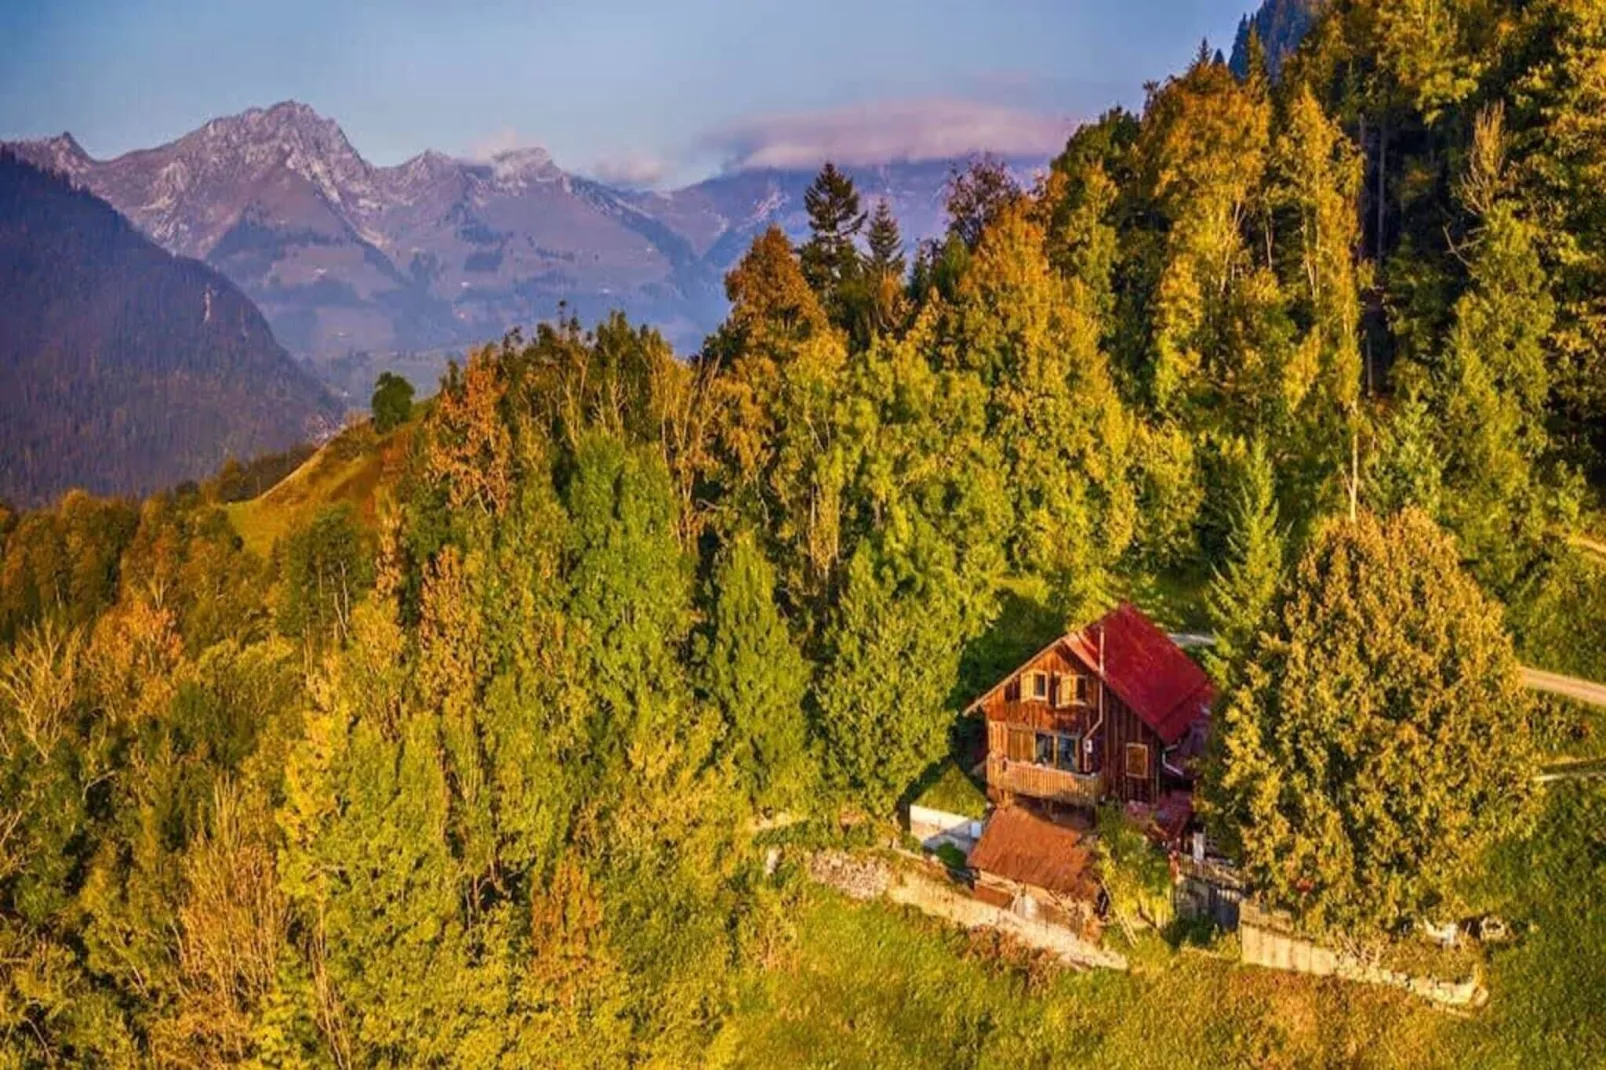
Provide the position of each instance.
(1042, 782)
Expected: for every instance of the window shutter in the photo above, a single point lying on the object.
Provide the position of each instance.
(1137, 761)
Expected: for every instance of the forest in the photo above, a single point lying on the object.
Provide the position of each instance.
(482, 768)
(125, 369)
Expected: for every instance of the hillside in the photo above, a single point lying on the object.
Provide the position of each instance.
(356, 468)
(574, 764)
(125, 368)
(345, 257)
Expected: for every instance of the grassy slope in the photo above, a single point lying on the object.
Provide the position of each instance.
(1548, 1005)
(876, 986)
(873, 986)
(354, 467)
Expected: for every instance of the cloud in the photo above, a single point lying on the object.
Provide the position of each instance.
(492, 145)
(909, 130)
(634, 170)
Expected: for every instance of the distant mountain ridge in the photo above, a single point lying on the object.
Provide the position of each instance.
(125, 368)
(1281, 25)
(343, 256)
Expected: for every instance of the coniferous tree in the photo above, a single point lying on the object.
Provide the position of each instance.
(830, 258)
(1494, 380)
(756, 676)
(894, 652)
(1254, 70)
(1062, 427)
(885, 243)
(1242, 590)
(885, 268)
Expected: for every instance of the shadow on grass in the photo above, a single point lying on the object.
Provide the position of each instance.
(946, 766)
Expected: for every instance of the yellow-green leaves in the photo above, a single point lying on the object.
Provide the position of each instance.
(1380, 744)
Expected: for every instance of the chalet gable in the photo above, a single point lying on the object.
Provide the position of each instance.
(1129, 653)
(1058, 675)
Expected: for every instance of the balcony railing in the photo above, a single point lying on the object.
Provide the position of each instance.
(1044, 782)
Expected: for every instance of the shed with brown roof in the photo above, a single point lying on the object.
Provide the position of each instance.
(1039, 854)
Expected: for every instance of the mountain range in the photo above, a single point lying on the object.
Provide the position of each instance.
(125, 368)
(347, 258)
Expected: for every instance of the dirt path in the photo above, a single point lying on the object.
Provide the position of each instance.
(1578, 769)
(1572, 687)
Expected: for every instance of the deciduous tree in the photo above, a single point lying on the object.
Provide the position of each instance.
(1380, 743)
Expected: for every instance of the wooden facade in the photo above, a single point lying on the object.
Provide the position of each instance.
(1057, 702)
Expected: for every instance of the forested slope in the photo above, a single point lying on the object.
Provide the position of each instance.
(125, 369)
(477, 783)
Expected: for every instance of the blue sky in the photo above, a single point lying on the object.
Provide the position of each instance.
(634, 90)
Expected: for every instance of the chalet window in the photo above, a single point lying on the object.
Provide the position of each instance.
(1137, 761)
(1070, 689)
(1065, 753)
(1055, 750)
(1034, 685)
(1022, 745)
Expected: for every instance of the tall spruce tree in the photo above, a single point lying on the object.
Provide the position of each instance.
(753, 672)
(894, 655)
(886, 303)
(1243, 589)
(886, 244)
(1494, 379)
(830, 257)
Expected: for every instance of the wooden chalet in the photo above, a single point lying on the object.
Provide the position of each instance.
(1113, 711)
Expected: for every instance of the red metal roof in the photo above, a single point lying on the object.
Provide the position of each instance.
(1149, 672)
(1023, 847)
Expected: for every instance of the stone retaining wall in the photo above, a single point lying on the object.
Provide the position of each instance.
(868, 877)
(1266, 943)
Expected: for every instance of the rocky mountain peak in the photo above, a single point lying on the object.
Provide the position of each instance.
(61, 153)
(438, 251)
(295, 135)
